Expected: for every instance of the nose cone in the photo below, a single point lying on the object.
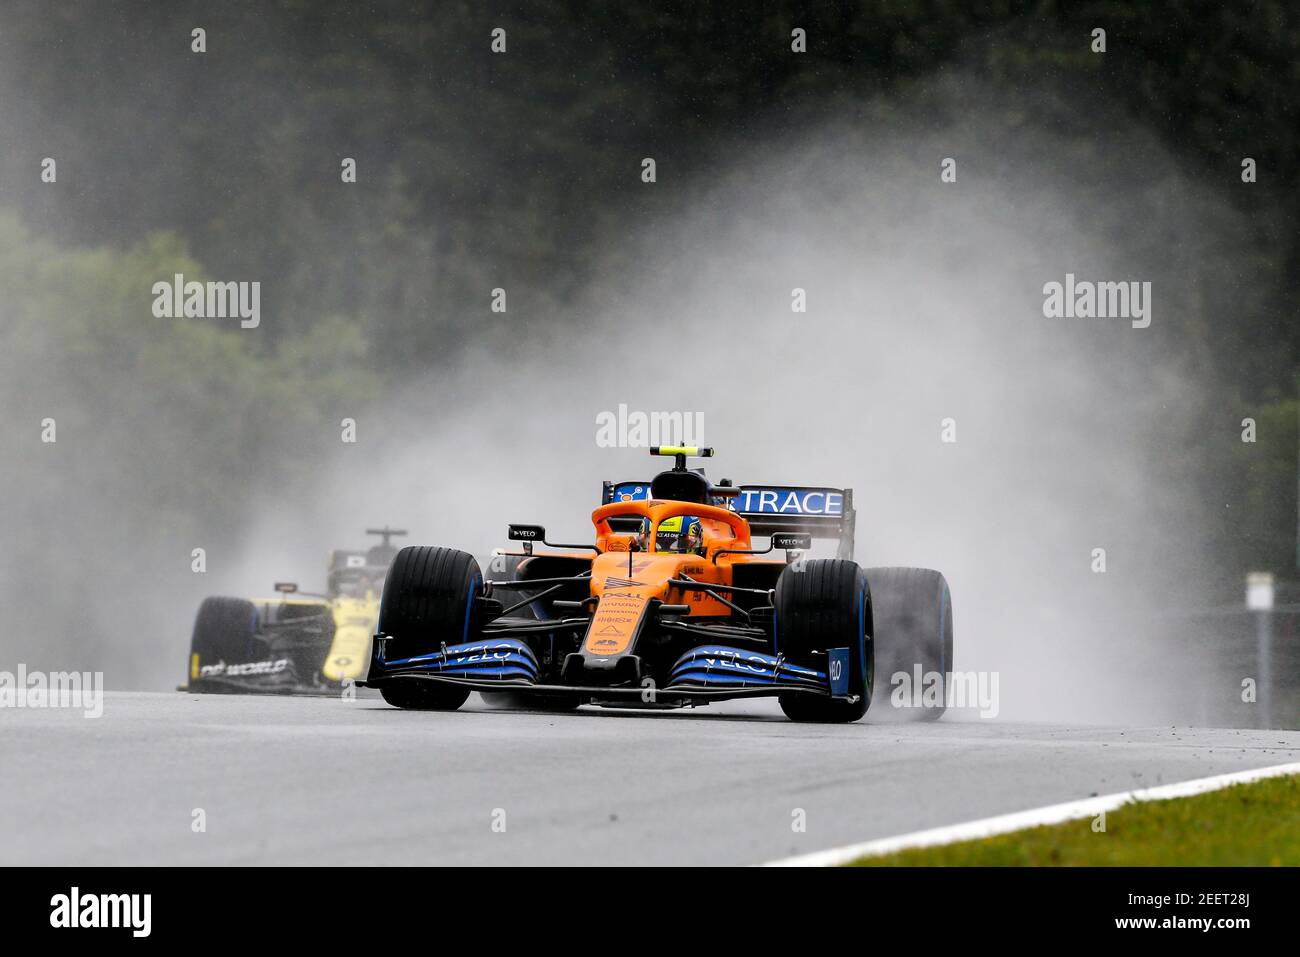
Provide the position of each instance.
(625, 590)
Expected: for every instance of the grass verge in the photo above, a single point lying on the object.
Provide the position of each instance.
(1256, 824)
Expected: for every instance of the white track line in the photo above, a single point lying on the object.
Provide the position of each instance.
(1052, 814)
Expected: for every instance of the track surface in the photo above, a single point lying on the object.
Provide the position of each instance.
(324, 781)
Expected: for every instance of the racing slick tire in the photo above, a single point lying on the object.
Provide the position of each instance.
(224, 630)
(428, 599)
(913, 618)
(821, 604)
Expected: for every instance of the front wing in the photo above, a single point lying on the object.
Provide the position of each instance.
(708, 672)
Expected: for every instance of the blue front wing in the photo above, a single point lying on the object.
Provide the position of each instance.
(700, 672)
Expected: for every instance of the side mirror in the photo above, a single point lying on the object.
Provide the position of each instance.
(528, 534)
(791, 542)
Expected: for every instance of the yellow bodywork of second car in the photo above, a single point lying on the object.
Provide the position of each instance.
(354, 625)
(355, 619)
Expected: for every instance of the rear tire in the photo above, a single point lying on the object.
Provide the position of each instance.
(820, 604)
(913, 618)
(428, 600)
(225, 629)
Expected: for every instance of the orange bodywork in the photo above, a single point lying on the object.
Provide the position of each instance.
(626, 581)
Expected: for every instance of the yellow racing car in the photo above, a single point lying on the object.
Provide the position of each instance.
(294, 643)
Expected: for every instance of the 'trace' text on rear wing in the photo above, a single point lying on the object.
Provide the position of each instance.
(820, 512)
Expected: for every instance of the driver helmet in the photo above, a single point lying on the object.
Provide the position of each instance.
(679, 534)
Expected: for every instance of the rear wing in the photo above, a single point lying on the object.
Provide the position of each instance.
(816, 511)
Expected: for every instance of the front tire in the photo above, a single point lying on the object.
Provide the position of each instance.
(225, 630)
(428, 601)
(821, 604)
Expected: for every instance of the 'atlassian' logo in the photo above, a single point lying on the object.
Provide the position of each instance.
(789, 501)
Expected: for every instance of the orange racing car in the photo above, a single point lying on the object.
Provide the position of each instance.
(672, 605)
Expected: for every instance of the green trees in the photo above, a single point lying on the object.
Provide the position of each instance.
(178, 409)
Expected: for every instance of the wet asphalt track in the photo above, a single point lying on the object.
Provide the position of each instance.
(324, 781)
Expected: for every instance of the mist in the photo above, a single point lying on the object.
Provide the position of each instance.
(924, 303)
